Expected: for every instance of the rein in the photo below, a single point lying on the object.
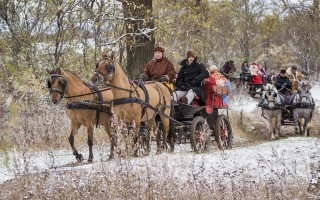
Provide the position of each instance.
(128, 90)
(61, 91)
(80, 95)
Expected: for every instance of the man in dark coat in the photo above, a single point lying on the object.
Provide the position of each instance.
(159, 68)
(189, 80)
(283, 83)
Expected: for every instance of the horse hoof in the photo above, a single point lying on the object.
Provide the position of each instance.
(90, 160)
(110, 157)
(80, 158)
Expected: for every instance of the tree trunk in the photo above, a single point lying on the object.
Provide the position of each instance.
(139, 47)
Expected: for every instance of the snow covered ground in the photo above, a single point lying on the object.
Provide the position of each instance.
(291, 157)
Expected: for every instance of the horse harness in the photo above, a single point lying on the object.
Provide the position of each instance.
(145, 104)
(99, 105)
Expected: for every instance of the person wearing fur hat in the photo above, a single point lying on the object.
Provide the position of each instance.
(159, 68)
(293, 74)
(189, 80)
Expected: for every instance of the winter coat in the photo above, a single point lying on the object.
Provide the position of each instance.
(293, 78)
(245, 69)
(155, 69)
(212, 100)
(280, 81)
(191, 76)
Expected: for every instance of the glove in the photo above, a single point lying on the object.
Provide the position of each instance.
(183, 87)
(194, 82)
(143, 77)
(164, 78)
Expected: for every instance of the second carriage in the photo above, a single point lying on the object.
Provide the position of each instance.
(248, 82)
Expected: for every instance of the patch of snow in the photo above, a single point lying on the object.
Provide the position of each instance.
(289, 157)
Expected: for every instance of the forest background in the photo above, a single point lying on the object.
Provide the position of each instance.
(43, 34)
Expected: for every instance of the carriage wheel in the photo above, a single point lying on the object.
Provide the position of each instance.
(223, 132)
(199, 134)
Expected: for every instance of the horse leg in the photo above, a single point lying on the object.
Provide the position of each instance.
(90, 142)
(278, 124)
(112, 139)
(304, 131)
(166, 126)
(271, 129)
(275, 126)
(299, 125)
(74, 130)
(296, 122)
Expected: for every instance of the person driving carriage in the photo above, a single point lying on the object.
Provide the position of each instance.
(282, 83)
(159, 68)
(189, 80)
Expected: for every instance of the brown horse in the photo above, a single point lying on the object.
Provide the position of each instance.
(132, 102)
(64, 83)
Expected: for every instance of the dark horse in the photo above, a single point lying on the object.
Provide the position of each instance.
(227, 68)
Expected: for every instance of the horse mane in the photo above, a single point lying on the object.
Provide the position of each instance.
(76, 75)
(226, 67)
(270, 87)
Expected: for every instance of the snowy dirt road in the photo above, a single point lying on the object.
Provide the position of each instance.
(293, 160)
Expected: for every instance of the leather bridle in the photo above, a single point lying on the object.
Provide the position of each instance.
(55, 89)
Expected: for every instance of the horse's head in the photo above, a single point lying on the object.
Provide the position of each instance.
(270, 94)
(303, 91)
(232, 66)
(228, 67)
(57, 85)
(105, 68)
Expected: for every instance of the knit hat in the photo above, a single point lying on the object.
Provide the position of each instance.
(191, 53)
(213, 68)
(293, 67)
(158, 49)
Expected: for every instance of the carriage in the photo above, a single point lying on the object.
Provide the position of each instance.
(192, 123)
(280, 109)
(247, 82)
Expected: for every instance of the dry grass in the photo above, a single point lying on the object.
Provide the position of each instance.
(41, 127)
(47, 129)
(128, 182)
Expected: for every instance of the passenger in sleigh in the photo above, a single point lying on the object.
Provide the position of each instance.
(189, 79)
(245, 73)
(216, 89)
(255, 76)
